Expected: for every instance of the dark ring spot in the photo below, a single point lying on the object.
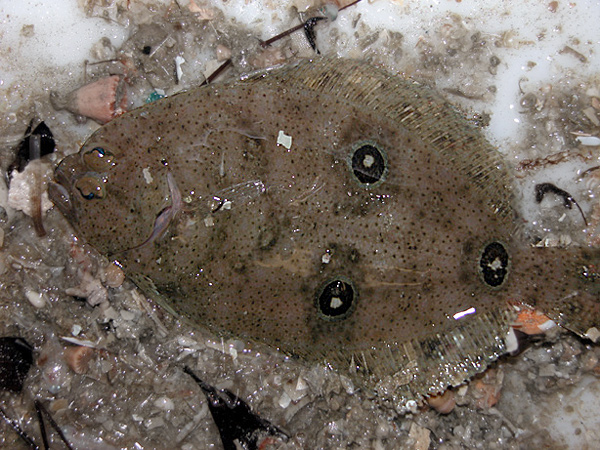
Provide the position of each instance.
(494, 264)
(368, 163)
(336, 300)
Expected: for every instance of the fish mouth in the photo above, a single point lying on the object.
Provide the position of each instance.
(59, 192)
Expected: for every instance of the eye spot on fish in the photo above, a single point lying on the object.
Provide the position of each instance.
(90, 187)
(98, 159)
(336, 300)
(266, 238)
(368, 163)
(494, 264)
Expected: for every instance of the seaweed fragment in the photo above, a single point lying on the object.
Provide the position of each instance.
(238, 426)
(23, 153)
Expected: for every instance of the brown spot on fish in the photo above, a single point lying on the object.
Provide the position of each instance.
(382, 237)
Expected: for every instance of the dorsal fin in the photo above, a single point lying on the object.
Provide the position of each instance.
(417, 108)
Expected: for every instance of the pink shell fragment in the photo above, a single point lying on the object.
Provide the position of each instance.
(101, 100)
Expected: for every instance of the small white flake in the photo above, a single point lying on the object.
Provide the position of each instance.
(593, 334)
(512, 344)
(326, 258)
(209, 221)
(301, 384)
(547, 325)
(164, 403)
(411, 406)
(147, 175)
(179, 60)
(36, 299)
(590, 141)
(82, 342)
(284, 400)
(284, 139)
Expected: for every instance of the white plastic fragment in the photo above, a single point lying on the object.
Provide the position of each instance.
(37, 299)
(147, 175)
(512, 344)
(590, 141)
(81, 342)
(179, 60)
(284, 139)
(76, 329)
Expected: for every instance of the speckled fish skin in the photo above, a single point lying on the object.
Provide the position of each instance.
(264, 229)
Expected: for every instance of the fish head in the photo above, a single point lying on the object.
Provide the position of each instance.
(109, 194)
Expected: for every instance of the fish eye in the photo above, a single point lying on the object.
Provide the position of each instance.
(368, 163)
(493, 264)
(336, 300)
(90, 187)
(98, 159)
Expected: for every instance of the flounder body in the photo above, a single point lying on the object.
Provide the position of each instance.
(330, 210)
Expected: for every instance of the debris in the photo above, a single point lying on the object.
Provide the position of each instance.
(420, 437)
(101, 100)
(16, 358)
(78, 358)
(443, 403)
(237, 424)
(284, 139)
(23, 155)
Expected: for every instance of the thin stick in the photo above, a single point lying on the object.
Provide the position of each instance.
(15, 426)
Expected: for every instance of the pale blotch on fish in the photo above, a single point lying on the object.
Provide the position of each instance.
(382, 239)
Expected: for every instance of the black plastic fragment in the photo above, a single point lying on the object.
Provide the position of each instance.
(41, 412)
(309, 31)
(16, 357)
(568, 200)
(234, 418)
(23, 156)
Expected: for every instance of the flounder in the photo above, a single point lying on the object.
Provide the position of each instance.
(330, 210)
